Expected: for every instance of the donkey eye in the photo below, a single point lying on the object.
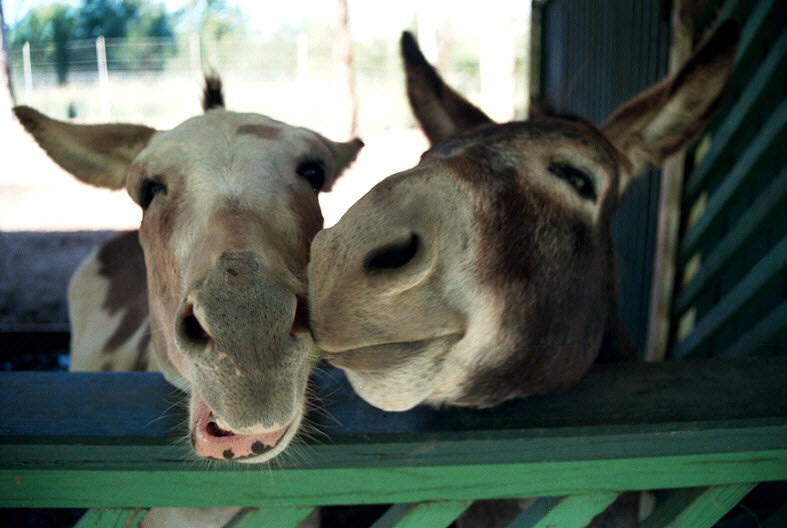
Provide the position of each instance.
(148, 190)
(314, 172)
(580, 181)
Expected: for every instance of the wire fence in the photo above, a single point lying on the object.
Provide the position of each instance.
(292, 77)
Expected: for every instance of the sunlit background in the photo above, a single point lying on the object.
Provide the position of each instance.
(110, 60)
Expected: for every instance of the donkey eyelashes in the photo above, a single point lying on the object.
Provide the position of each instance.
(314, 172)
(580, 181)
(148, 190)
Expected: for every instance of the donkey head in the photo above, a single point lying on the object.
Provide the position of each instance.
(487, 270)
(230, 208)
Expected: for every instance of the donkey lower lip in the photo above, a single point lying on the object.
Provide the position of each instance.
(210, 440)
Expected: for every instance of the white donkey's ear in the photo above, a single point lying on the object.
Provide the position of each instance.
(96, 154)
(343, 156)
(669, 115)
(441, 111)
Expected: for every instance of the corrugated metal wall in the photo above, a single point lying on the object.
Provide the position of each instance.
(595, 55)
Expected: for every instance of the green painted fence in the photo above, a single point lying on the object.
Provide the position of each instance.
(731, 293)
(624, 427)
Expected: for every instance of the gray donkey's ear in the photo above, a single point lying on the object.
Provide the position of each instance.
(669, 115)
(441, 111)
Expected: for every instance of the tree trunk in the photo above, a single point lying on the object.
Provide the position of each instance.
(343, 67)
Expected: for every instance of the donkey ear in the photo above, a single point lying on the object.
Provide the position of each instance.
(661, 120)
(441, 111)
(95, 154)
(343, 156)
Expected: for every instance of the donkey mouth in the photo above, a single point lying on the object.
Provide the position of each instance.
(212, 440)
(386, 356)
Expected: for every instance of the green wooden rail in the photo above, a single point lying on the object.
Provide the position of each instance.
(115, 441)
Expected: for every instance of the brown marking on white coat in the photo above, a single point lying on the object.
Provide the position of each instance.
(225, 254)
(261, 131)
(123, 263)
(487, 271)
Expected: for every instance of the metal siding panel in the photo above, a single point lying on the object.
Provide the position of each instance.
(610, 51)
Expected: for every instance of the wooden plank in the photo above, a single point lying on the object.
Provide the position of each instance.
(698, 508)
(128, 408)
(769, 202)
(764, 273)
(768, 330)
(57, 488)
(637, 426)
(630, 410)
(575, 511)
(760, 152)
(111, 518)
(750, 100)
(435, 514)
(535, 512)
(280, 517)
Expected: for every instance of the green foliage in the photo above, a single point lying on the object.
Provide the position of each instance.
(110, 18)
(53, 27)
(50, 24)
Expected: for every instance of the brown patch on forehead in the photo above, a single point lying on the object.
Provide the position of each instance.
(261, 131)
(122, 263)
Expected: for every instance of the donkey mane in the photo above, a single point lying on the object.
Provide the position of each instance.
(212, 92)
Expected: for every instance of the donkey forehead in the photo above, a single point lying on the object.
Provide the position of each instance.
(521, 142)
(219, 142)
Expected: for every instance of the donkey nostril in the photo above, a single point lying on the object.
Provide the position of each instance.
(392, 256)
(191, 328)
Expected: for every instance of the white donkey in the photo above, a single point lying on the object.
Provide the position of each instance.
(211, 290)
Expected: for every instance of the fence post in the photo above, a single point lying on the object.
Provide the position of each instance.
(28, 73)
(670, 195)
(103, 77)
(195, 58)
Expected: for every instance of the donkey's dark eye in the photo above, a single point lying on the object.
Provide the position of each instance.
(148, 190)
(580, 181)
(314, 172)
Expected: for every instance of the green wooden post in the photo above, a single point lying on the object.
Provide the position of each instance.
(264, 517)
(697, 507)
(575, 511)
(112, 518)
(435, 514)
